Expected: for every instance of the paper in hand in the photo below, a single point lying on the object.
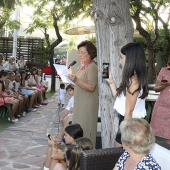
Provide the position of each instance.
(63, 72)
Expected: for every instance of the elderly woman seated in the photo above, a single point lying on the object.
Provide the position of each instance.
(11, 65)
(137, 140)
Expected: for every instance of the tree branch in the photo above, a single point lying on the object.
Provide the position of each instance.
(139, 27)
(59, 38)
(47, 37)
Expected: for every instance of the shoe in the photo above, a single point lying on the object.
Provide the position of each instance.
(43, 103)
(63, 107)
(32, 110)
(13, 120)
(18, 116)
(35, 106)
(23, 114)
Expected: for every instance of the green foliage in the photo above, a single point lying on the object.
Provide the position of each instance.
(6, 9)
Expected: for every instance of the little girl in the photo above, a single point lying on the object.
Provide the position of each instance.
(9, 86)
(5, 98)
(28, 91)
(54, 153)
(33, 81)
(41, 83)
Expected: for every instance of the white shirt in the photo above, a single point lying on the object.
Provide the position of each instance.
(11, 84)
(8, 66)
(17, 85)
(31, 80)
(1, 67)
(62, 92)
(70, 103)
(139, 109)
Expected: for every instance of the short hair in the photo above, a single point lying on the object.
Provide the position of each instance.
(62, 86)
(138, 135)
(69, 87)
(10, 73)
(85, 143)
(3, 73)
(135, 62)
(90, 47)
(74, 130)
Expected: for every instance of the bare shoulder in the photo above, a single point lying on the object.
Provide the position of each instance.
(133, 84)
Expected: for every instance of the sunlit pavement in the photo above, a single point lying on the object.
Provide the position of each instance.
(23, 145)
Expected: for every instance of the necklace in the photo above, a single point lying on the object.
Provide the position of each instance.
(84, 66)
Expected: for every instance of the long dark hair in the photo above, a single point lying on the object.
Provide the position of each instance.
(135, 64)
(74, 130)
(3, 73)
(21, 73)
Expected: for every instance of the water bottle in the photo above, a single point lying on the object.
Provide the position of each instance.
(62, 145)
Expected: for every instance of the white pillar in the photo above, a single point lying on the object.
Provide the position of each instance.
(14, 51)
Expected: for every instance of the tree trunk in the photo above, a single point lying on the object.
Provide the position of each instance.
(113, 30)
(52, 71)
(151, 66)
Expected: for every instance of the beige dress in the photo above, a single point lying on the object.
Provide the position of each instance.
(86, 103)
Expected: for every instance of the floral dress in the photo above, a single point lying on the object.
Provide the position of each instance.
(160, 121)
(147, 163)
(4, 100)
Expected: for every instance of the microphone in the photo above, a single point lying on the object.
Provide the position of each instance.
(72, 64)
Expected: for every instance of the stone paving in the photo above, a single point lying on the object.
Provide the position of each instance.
(23, 145)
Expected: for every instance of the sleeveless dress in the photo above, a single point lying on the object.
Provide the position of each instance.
(4, 100)
(160, 120)
(85, 111)
(32, 80)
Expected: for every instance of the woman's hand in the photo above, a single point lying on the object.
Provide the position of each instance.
(165, 83)
(72, 77)
(110, 79)
(112, 84)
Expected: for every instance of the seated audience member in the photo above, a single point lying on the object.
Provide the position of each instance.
(85, 143)
(33, 82)
(9, 88)
(11, 65)
(5, 98)
(137, 140)
(28, 91)
(72, 155)
(36, 91)
(40, 81)
(17, 89)
(55, 153)
(1, 62)
(66, 116)
(21, 63)
(63, 60)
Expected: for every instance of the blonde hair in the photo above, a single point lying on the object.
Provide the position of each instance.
(138, 135)
(74, 163)
(85, 143)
